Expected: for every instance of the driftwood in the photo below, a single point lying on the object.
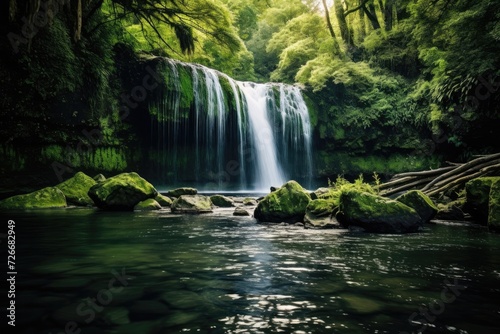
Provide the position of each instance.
(438, 181)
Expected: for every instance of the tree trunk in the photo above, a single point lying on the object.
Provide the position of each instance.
(388, 18)
(362, 22)
(345, 32)
(372, 15)
(330, 27)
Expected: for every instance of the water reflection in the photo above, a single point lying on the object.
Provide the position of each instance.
(213, 274)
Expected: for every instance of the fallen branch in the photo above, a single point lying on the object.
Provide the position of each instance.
(438, 181)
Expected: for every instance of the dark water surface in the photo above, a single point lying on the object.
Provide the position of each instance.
(98, 272)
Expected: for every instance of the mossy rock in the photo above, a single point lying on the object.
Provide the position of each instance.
(222, 201)
(122, 192)
(250, 201)
(320, 193)
(421, 203)
(147, 205)
(477, 197)
(287, 204)
(50, 197)
(76, 189)
(164, 200)
(192, 204)
(494, 207)
(182, 191)
(319, 214)
(377, 214)
(452, 210)
(239, 211)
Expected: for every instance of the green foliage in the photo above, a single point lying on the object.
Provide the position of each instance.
(335, 189)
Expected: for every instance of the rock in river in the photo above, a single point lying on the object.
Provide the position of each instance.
(76, 189)
(147, 205)
(287, 204)
(122, 192)
(319, 214)
(50, 197)
(421, 203)
(376, 213)
(192, 204)
(182, 191)
(222, 201)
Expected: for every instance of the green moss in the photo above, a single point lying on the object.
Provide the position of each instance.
(50, 197)
(182, 191)
(147, 205)
(76, 189)
(163, 200)
(340, 185)
(377, 214)
(494, 207)
(287, 204)
(321, 207)
(344, 163)
(421, 203)
(122, 192)
(186, 86)
(222, 201)
(477, 196)
(192, 204)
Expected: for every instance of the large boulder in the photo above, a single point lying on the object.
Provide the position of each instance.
(122, 192)
(477, 197)
(494, 207)
(50, 197)
(319, 214)
(421, 203)
(147, 205)
(182, 191)
(192, 204)
(287, 204)
(377, 214)
(76, 189)
(222, 201)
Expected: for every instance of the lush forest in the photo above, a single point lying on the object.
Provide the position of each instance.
(392, 85)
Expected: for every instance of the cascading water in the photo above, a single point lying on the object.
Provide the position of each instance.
(217, 133)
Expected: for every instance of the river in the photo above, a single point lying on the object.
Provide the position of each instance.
(102, 272)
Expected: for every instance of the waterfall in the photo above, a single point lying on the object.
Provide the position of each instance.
(217, 133)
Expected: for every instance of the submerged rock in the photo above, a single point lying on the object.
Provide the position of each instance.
(50, 197)
(164, 201)
(287, 204)
(377, 214)
(222, 201)
(76, 189)
(421, 203)
(477, 197)
(192, 204)
(147, 205)
(122, 192)
(319, 214)
(182, 191)
(239, 211)
(494, 207)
